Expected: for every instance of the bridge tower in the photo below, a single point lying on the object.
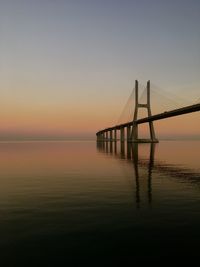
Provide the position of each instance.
(134, 134)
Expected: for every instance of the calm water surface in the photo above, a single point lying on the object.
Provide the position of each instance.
(82, 203)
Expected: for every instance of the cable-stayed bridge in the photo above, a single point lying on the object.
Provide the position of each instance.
(129, 129)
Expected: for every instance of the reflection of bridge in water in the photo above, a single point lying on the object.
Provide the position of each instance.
(130, 152)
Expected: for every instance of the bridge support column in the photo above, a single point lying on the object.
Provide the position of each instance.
(111, 135)
(102, 137)
(151, 127)
(106, 139)
(134, 134)
(99, 137)
(115, 135)
(128, 133)
(122, 134)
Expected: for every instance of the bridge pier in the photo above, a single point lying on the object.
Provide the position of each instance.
(128, 133)
(122, 134)
(111, 135)
(106, 136)
(99, 137)
(115, 134)
(103, 136)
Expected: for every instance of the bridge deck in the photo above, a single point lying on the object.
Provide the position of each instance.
(160, 116)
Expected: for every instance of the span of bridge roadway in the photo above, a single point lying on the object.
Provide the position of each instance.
(160, 116)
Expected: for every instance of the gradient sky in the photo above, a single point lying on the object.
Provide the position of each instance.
(67, 67)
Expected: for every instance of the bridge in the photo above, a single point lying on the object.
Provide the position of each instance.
(131, 127)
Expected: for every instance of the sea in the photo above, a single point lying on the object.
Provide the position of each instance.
(83, 203)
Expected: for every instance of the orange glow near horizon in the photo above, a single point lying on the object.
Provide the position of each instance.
(85, 121)
(54, 120)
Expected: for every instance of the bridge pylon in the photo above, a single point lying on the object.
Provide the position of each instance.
(134, 133)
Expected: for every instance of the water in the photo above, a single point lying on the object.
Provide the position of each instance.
(81, 204)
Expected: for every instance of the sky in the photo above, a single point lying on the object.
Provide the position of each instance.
(67, 67)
